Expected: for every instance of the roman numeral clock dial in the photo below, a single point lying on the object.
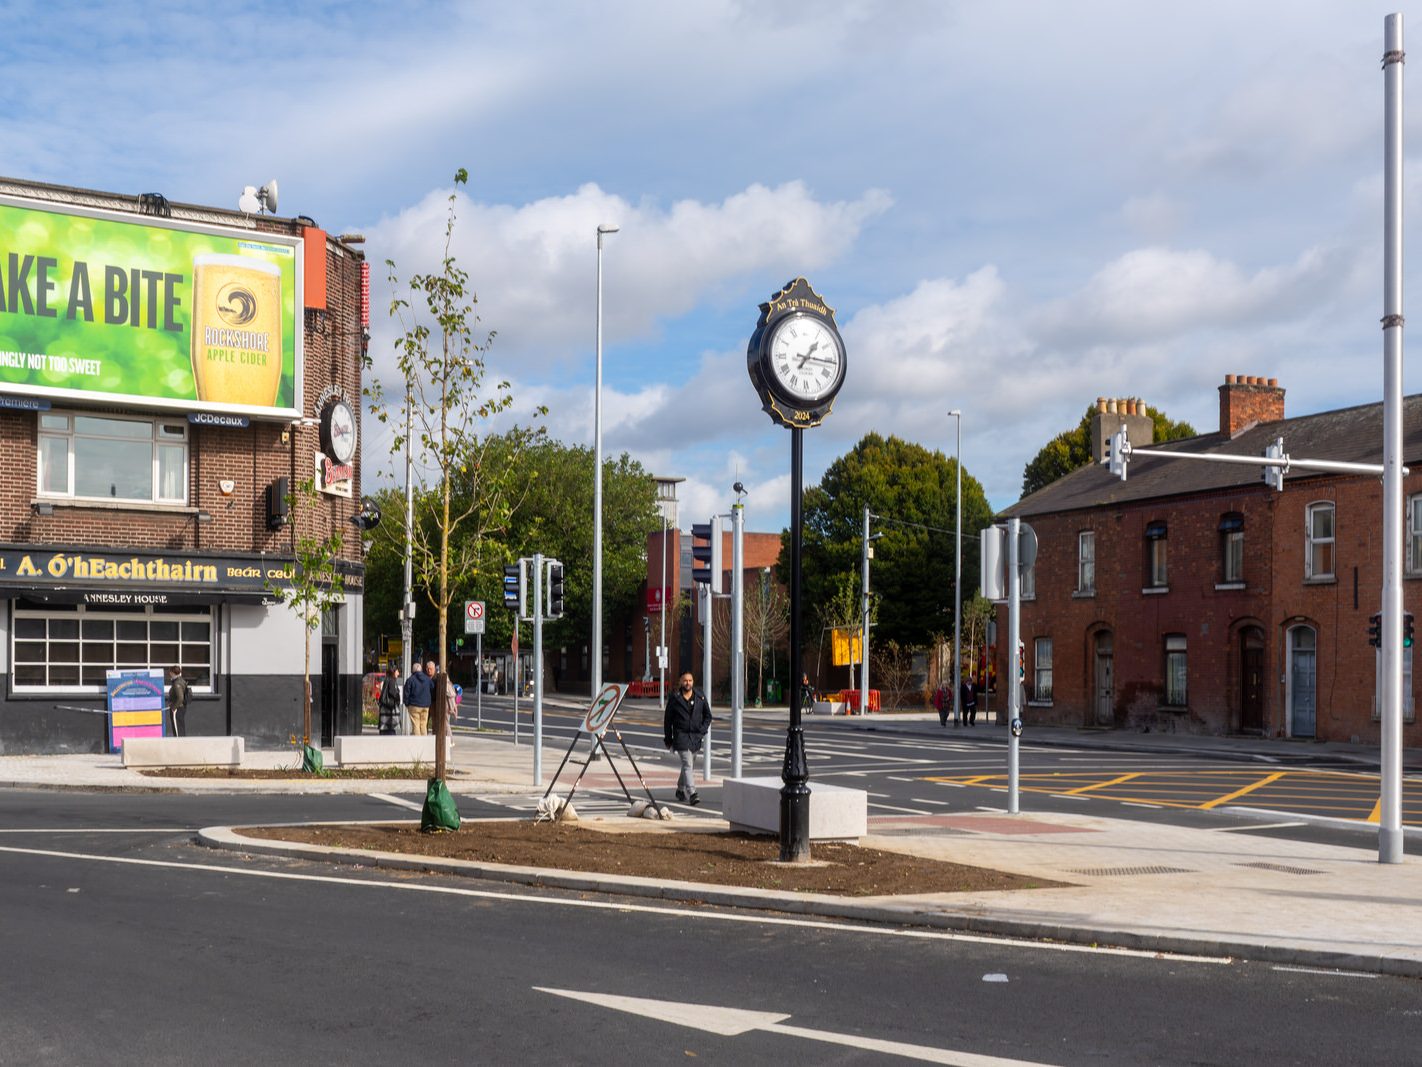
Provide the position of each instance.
(796, 357)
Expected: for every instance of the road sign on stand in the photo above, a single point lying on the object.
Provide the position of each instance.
(474, 616)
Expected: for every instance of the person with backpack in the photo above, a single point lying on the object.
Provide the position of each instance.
(178, 702)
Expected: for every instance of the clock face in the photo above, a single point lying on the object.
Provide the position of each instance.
(806, 358)
(341, 431)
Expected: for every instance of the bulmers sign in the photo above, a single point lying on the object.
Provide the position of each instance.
(101, 306)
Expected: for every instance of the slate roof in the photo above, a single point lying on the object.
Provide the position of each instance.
(1352, 435)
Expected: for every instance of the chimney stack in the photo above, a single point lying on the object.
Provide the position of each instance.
(1248, 399)
(1114, 412)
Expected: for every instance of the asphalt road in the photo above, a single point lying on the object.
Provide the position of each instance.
(124, 942)
(932, 771)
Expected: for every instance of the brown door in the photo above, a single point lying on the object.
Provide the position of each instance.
(1251, 676)
(1105, 688)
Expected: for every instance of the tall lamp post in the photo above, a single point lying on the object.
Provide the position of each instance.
(602, 231)
(958, 577)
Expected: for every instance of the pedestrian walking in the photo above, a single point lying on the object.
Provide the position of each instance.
(419, 695)
(940, 703)
(178, 701)
(389, 701)
(968, 698)
(688, 717)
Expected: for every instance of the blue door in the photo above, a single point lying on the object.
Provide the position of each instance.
(1303, 686)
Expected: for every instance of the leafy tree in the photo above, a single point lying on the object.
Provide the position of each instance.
(461, 498)
(312, 586)
(1071, 449)
(912, 491)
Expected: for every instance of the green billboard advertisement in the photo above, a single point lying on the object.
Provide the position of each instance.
(100, 306)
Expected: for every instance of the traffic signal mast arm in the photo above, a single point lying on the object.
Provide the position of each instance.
(1276, 461)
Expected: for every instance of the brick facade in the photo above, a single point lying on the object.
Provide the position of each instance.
(1258, 652)
(224, 517)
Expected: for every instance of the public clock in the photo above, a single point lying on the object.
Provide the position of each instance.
(338, 431)
(805, 358)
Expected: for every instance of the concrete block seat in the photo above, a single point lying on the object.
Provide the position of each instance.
(357, 750)
(837, 813)
(182, 751)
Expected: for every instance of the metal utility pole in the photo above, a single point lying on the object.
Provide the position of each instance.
(597, 484)
(1014, 633)
(1390, 838)
(738, 637)
(407, 609)
(662, 630)
(865, 553)
(709, 593)
(958, 579)
(538, 668)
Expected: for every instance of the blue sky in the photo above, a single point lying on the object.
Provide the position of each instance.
(1015, 207)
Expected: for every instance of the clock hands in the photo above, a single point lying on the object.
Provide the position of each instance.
(808, 352)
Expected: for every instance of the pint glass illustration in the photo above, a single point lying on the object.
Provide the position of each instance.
(236, 341)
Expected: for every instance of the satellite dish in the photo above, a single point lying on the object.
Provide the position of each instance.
(267, 194)
(248, 201)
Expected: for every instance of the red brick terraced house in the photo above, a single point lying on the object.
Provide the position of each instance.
(168, 374)
(1194, 598)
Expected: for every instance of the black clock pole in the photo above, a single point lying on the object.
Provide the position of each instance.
(795, 794)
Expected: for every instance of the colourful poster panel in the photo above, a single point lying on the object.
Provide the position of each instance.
(101, 306)
(136, 706)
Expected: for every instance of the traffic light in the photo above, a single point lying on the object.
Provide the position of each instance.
(1407, 629)
(706, 553)
(1274, 474)
(1120, 451)
(516, 588)
(1375, 632)
(555, 590)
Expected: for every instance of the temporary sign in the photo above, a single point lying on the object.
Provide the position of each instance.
(604, 708)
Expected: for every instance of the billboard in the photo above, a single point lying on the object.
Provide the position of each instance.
(102, 306)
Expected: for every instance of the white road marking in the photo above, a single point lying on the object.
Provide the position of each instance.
(893, 779)
(994, 978)
(906, 811)
(940, 803)
(1322, 970)
(733, 1022)
(679, 914)
(1072, 796)
(1256, 826)
(1133, 804)
(397, 801)
(995, 811)
(81, 830)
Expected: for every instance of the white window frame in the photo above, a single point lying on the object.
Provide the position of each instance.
(1042, 670)
(1414, 534)
(1176, 645)
(1086, 562)
(164, 433)
(23, 656)
(1312, 541)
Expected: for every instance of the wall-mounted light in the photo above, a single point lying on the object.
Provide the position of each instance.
(204, 517)
(42, 508)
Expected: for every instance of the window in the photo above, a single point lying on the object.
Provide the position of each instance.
(73, 648)
(1042, 669)
(1155, 555)
(1175, 670)
(1318, 536)
(1414, 534)
(96, 457)
(1086, 562)
(1232, 547)
(1028, 588)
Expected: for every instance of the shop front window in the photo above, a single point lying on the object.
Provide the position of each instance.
(75, 648)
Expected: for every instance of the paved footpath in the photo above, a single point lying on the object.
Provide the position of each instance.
(1132, 884)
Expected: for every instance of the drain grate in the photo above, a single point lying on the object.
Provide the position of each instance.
(1112, 872)
(1280, 868)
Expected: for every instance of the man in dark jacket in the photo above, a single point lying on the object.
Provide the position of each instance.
(687, 720)
(419, 695)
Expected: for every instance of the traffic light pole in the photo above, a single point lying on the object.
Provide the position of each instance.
(738, 637)
(1014, 685)
(795, 773)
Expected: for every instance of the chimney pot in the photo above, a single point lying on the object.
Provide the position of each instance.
(1273, 383)
(1101, 404)
(1229, 379)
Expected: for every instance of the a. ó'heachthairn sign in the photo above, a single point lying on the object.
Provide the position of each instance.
(100, 306)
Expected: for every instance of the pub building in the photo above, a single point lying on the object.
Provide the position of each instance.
(169, 375)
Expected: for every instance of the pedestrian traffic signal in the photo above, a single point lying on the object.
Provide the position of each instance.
(1407, 629)
(706, 553)
(1119, 453)
(515, 588)
(555, 590)
(1375, 631)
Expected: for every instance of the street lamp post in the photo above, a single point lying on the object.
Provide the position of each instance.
(958, 577)
(602, 231)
